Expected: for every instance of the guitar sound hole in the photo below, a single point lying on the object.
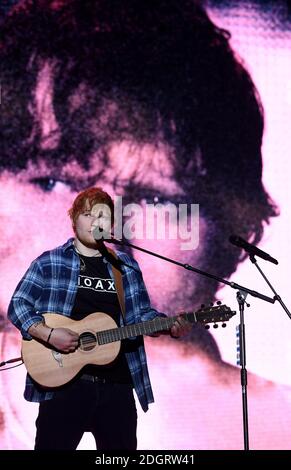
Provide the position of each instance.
(87, 341)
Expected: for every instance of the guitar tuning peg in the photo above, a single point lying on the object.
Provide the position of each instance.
(202, 305)
(218, 302)
(215, 325)
(207, 327)
(223, 325)
(211, 304)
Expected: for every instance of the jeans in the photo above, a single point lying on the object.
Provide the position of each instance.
(107, 410)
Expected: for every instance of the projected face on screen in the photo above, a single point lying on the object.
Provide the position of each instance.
(180, 125)
(35, 200)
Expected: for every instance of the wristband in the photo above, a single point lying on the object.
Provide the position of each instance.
(48, 340)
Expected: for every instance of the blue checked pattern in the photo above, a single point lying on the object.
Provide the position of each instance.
(50, 285)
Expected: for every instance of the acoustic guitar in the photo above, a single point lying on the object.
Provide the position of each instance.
(99, 342)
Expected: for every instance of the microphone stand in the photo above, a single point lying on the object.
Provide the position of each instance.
(241, 295)
(233, 285)
(276, 297)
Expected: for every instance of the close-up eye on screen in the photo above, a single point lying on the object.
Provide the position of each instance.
(144, 206)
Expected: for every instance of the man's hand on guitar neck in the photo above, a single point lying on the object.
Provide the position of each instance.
(181, 327)
(62, 339)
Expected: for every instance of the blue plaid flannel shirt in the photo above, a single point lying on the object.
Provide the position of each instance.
(50, 285)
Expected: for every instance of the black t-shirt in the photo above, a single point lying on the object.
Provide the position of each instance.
(97, 293)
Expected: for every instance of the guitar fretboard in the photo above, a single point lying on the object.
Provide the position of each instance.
(138, 329)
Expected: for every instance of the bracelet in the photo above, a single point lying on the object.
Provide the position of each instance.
(48, 340)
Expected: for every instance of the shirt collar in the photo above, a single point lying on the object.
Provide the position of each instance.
(69, 245)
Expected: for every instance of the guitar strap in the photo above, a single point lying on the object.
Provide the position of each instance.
(118, 283)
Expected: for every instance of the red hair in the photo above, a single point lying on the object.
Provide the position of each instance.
(87, 199)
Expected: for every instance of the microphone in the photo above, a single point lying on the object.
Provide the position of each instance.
(99, 234)
(251, 249)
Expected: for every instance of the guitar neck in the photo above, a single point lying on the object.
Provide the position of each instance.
(211, 314)
(138, 329)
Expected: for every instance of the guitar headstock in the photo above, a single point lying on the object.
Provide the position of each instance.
(213, 314)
